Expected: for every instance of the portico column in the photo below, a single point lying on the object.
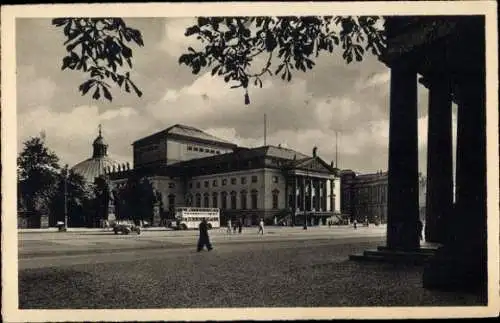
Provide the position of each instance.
(403, 159)
(294, 207)
(332, 195)
(311, 190)
(303, 190)
(439, 197)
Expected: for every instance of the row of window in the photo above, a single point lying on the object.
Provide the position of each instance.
(203, 150)
(232, 202)
(199, 219)
(215, 182)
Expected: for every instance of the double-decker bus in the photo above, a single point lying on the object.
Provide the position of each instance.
(190, 217)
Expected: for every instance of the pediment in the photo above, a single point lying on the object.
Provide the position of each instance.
(314, 164)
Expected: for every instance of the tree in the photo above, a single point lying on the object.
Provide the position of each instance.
(229, 46)
(80, 198)
(136, 199)
(37, 170)
(103, 195)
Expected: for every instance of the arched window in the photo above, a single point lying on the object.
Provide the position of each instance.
(198, 200)
(254, 197)
(233, 200)
(215, 200)
(205, 200)
(223, 200)
(243, 200)
(276, 199)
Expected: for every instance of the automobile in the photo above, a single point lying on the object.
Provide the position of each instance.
(125, 227)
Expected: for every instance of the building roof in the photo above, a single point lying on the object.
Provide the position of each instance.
(242, 153)
(186, 132)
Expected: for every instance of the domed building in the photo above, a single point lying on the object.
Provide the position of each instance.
(95, 166)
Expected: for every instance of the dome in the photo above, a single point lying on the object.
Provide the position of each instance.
(95, 166)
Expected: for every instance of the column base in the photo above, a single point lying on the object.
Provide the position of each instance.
(455, 269)
(418, 256)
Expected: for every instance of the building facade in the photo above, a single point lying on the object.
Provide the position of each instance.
(188, 167)
(364, 196)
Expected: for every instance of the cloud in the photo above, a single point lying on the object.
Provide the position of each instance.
(70, 134)
(352, 99)
(174, 41)
(33, 90)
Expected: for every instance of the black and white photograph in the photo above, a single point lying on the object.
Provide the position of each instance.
(250, 161)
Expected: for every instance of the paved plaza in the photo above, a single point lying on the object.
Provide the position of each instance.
(286, 267)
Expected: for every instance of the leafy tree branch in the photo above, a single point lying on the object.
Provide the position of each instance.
(98, 47)
(229, 47)
(231, 44)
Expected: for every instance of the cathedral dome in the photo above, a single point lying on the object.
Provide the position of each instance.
(96, 165)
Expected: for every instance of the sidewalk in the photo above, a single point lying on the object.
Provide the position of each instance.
(221, 229)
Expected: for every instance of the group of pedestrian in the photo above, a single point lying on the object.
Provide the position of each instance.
(234, 226)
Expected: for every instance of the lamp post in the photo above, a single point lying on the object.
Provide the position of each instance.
(66, 198)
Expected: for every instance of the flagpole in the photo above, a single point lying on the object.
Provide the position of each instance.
(265, 129)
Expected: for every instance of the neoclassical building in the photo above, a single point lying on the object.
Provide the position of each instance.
(365, 196)
(189, 167)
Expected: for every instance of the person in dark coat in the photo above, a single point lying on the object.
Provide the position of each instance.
(240, 226)
(204, 239)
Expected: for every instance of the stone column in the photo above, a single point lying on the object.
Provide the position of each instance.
(403, 160)
(311, 190)
(332, 195)
(303, 191)
(303, 185)
(287, 197)
(294, 207)
(461, 264)
(439, 198)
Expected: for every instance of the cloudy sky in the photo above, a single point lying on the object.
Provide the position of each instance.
(351, 99)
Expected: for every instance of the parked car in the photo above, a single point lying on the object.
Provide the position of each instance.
(125, 227)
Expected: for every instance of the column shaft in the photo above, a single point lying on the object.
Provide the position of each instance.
(294, 206)
(332, 195)
(403, 160)
(439, 197)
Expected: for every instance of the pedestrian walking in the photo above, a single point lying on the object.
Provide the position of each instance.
(261, 227)
(204, 239)
(240, 226)
(355, 223)
(229, 226)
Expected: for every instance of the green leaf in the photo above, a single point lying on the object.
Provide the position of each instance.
(215, 69)
(97, 93)
(107, 94)
(137, 91)
(85, 86)
(270, 42)
(192, 30)
(280, 67)
(58, 22)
